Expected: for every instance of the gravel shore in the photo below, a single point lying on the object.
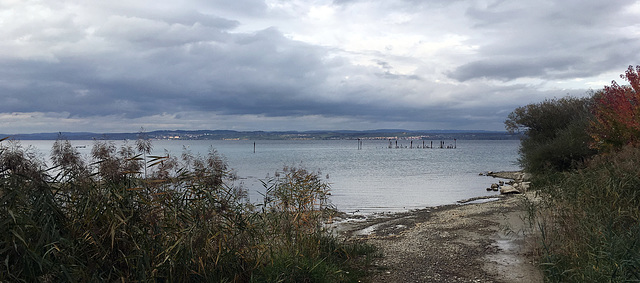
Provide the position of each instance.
(476, 242)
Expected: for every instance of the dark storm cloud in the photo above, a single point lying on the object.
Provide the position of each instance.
(239, 73)
(261, 73)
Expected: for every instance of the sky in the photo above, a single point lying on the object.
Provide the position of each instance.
(119, 66)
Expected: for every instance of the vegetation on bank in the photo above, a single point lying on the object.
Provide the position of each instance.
(584, 154)
(126, 216)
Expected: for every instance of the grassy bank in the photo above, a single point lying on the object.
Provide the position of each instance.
(590, 221)
(127, 216)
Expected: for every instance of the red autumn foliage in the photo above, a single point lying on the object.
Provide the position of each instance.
(617, 113)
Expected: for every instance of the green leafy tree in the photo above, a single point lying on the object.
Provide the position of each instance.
(555, 136)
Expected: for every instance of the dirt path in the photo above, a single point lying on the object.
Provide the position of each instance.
(483, 242)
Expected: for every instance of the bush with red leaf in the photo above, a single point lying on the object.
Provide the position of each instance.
(617, 113)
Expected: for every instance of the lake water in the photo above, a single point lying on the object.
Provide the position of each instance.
(374, 178)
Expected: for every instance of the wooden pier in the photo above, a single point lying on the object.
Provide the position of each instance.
(443, 145)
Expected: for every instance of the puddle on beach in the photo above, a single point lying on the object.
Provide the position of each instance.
(507, 254)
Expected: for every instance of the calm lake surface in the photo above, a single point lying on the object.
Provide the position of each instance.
(374, 178)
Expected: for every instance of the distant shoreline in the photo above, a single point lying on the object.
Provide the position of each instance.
(276, 135)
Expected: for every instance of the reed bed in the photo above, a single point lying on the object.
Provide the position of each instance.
(124, 215)
(589, 220)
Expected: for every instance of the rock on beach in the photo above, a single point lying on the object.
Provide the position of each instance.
(519, 183)
(508, 189)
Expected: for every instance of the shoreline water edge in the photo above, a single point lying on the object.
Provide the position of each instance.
(507, 179)
(484, 239)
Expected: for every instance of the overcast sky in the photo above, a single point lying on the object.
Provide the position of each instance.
(117, 66)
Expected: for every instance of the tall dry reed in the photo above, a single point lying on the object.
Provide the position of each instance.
(124, 215)
(590, 221)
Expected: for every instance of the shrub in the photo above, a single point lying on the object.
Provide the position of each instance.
(617, 113)
(555, 137)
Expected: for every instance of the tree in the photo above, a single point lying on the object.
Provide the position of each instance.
(617, 113)
(554, 133)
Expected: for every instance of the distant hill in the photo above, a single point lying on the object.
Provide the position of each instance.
(277, 135)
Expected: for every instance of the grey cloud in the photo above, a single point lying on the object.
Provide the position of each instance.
(544, 40)
(405, 4)
(556, 15)
(594, 14)
(236, 7)
(171, 61)
(193, 17)
(506, 70)
(389, 75)
(243, 73)
(587, 61)
(187, 16)
(133, 32)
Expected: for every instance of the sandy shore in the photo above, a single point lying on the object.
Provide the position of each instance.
(475, 242)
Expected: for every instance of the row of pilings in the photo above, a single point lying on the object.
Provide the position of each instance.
(424, 145)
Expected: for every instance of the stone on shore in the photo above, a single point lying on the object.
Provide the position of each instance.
(508, 189)
(518, 182)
